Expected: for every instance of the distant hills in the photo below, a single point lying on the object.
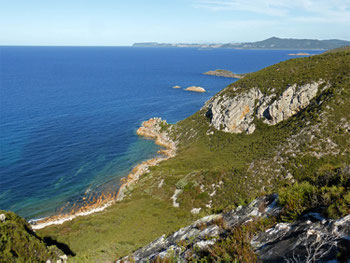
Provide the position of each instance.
(270, 43)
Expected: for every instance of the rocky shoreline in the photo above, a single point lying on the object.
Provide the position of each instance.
(152, 129)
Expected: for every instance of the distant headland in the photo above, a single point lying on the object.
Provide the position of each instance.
(270, 43)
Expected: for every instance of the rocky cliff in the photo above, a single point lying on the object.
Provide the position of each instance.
(237, 113)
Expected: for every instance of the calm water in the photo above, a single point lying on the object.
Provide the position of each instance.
(69, 114)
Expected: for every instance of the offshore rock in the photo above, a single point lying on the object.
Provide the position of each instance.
(195, 89)
(224, 73)
(237, 114)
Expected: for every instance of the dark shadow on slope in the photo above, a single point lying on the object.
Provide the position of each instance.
(64, 247)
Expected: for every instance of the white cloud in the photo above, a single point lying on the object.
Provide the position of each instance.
(297, 10)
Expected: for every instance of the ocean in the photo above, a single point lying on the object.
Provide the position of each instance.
(69, 115)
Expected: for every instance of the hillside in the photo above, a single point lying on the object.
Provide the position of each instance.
(281, 132)
(18, 243)
(270, 43)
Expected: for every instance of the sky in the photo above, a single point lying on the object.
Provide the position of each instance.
(124, 22)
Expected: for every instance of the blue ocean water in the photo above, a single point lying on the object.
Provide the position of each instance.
(69, 114)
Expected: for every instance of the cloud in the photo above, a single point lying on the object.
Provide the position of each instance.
(297, 10)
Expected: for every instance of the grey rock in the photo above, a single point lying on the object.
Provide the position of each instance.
(237, 114)
(292, 100)
(204, 232)
(234, 114)
(309, 239)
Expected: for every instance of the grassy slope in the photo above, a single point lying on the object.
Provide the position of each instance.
(118, 230)
(203, 162)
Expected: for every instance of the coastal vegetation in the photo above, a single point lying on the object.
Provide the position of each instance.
(305, 159)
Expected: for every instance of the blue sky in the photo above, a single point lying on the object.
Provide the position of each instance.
(120, 22)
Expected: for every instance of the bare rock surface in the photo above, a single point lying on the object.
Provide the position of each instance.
(203, 232)
(195, 89)
(309, 239)
(237, 114)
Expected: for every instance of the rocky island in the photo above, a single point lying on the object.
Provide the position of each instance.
(224, 73)
(300, 54)
(261, 174)
(195, 89)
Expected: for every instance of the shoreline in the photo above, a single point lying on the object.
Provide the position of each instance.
(151, 129)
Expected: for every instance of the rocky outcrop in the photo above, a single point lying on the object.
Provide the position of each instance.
(234, 114)
(237, 114)
(292, 100)
(309, 239)
(224, 73)
(203, 233)
(176, 87)
(195, 89)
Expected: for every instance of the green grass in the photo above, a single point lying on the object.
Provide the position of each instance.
(118, 230)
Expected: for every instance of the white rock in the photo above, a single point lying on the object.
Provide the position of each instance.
(2, 217)
(195, 210)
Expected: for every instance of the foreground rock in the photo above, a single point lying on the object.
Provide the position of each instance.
(309, 239)
(224, 73)
(236, 114)
(195, 89)
(202, 233)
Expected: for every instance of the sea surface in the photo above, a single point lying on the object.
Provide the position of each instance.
(68, 115)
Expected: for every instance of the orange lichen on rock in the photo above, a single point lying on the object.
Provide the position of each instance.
(245, 112)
